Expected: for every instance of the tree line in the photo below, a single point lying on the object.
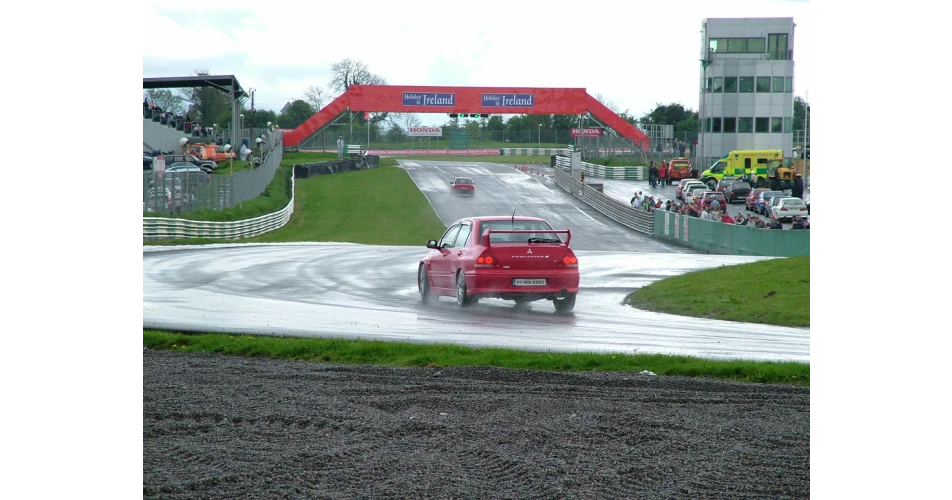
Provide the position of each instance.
(209, 106)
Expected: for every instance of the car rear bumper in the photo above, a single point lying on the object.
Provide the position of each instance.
(492, 282)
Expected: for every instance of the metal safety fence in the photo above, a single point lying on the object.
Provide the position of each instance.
(193, 191)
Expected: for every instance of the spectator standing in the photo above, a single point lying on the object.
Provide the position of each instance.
(740, 219)
(727, 219)
(652, 175)
(715, 205)
(340, 147)
(705, 214)
(758, 222)
(663, 174)
(797, 222)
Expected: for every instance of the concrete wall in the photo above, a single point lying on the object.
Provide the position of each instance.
(716, 237)
(158, 137)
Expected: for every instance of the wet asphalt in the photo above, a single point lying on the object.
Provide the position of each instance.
(343, 290)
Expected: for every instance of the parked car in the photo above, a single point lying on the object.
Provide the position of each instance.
(737, 191)
(166, 193)
(682, 187)
(726, 181)
(463, 185)
(706, 198)
(787, 207)
(773, 202)
(511, 258)
(763, 205)
(207, 164)
(693, 190)
(753, 197)
(194, 172)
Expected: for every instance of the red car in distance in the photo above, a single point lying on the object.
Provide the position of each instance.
(753, 197)
(522, 259)
(463, 185)
(706, 198)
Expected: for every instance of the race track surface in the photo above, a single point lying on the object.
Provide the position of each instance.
(366, 291)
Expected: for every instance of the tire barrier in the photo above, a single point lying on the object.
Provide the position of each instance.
(303, 171)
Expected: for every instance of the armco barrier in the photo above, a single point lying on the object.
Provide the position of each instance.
(628, 173)
(729, 239)
(532, 151)
(425, 152)
(160, 228)
(624, 214)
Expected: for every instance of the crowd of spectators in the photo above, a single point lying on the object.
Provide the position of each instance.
(650, 203)
(180, 122)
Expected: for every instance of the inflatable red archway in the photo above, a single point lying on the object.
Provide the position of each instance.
(489, 100)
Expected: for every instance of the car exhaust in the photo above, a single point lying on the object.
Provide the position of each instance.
(563, 293)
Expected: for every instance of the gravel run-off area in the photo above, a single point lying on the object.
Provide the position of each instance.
(230, 427)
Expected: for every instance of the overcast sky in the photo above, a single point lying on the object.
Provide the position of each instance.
(635, 54)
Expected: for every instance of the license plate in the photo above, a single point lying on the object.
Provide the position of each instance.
(528, 282)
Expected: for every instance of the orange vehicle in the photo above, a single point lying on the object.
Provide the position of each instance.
(680, 168)
(210, 152)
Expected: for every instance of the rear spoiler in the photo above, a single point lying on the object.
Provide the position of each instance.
(484, 240)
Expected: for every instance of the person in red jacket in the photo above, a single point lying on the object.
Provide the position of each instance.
(663, 174)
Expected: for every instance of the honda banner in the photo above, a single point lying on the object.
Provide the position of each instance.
(587, 132)
(425, 132)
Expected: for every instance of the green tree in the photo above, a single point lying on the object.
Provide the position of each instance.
(684, 120)
(396, 133)
(799, 113)
(261, 118)
(296, 114)
(667, 114)
(495, 124)
(625, 115)
(168, 101)
(207, 105)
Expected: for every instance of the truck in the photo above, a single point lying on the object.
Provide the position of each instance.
(752, 165)
(784, 177)
(210, 152)
(680, 168)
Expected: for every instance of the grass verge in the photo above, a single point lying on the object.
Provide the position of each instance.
(365, 352)
(773, 292)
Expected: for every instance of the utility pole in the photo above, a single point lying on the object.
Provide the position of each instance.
(251, 137)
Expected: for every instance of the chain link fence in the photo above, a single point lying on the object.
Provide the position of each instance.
(195, 190)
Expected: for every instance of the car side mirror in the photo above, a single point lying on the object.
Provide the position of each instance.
(431, 244)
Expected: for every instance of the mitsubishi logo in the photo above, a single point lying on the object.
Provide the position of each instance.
(529, 251)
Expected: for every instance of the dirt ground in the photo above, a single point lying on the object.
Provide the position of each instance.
(225, 427)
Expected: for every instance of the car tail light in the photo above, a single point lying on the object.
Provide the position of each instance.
(487, 259)
(569, 260)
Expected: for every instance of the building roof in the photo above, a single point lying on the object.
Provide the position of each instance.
(225, 83)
